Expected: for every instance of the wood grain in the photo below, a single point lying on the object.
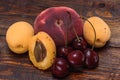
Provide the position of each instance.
(19, 67)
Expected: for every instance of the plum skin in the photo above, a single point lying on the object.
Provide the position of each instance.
(59, 22)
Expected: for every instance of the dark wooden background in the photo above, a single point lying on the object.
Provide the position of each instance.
(18, 67)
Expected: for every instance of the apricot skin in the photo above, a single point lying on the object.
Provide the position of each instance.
(18, 36)
(103, 32)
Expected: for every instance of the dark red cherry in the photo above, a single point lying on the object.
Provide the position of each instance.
(91, 58)
(76, 59)
(63, 51)
(79, 43)
(60, 68)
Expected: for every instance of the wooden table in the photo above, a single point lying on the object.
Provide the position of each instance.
(19, 67)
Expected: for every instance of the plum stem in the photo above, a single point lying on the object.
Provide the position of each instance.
(93, 30)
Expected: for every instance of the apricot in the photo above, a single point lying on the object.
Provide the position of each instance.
(59, 23)
(18, 36)
(102, 30)
(42, 50)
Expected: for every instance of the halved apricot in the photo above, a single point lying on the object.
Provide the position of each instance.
(42, 51)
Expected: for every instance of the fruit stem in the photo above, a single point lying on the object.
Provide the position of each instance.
(93, 30)
(68, 24)
(73, 27)
(76, 34)
(66, 37)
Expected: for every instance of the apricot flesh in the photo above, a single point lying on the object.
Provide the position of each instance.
(59, 22)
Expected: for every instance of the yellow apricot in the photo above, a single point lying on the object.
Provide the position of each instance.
(103, 32)
(42, 50)
(18, 36)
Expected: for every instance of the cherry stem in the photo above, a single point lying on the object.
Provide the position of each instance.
(93, 30)
(66, 37)
(73, 27)
(76, 34)
(68, 24)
